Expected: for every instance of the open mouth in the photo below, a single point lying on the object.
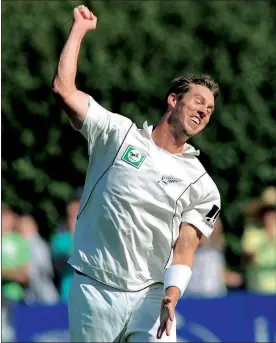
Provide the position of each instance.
(195, 120)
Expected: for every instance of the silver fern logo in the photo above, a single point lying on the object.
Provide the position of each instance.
(166, 179)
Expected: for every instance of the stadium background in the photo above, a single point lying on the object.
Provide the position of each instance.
(127, 65)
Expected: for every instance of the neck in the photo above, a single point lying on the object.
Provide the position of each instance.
(165, 136)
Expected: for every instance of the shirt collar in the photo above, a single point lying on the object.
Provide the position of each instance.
(189, 149)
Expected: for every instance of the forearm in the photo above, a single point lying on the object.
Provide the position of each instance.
(74, 102)
(184, 256)
(64, 82)
(179, 273)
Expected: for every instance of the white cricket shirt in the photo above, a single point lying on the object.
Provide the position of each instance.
(136, 196)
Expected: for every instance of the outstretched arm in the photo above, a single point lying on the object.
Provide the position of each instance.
(74, 102)
(178, 273)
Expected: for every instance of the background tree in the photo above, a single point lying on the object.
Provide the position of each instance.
(127, 65)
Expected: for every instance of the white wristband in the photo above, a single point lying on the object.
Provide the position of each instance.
(177, 275)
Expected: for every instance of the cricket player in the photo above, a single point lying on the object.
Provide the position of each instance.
(147, 201)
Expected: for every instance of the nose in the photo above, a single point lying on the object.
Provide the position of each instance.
(202, 113)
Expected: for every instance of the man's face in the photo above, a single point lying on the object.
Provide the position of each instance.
(192, 113)
(9, 219)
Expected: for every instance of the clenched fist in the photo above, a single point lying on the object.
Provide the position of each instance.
(85, 18)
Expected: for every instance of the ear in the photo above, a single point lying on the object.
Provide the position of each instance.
(172, 100)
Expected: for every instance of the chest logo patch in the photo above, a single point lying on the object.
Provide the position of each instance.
(133, 156)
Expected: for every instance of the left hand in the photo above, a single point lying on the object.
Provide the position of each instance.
(166, 316)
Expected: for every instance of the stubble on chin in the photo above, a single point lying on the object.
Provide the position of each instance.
(179, 129)
(187, 133)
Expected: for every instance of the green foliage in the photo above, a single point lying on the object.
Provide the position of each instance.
(127, 65)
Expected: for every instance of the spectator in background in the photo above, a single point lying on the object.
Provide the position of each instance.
(40, 288)
(259, 243)
(15, 254)
(15, 258)
(210, 278)
(62, 245)
(9, 218)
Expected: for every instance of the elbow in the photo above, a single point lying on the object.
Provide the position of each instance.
(189, 238)
(62, 92)
(186, 245)
(56, 88)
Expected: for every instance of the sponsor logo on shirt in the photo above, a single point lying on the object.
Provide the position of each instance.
(133, 156)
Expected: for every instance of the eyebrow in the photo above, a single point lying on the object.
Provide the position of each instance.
(210, 106)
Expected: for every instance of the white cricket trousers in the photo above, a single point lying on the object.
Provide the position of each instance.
(100, 313)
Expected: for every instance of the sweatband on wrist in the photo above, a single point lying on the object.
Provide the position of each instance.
(177, 275)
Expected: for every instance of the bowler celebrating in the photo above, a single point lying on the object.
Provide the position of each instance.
(147, 201)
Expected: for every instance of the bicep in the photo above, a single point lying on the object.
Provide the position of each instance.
(186, 244)
(76, 107)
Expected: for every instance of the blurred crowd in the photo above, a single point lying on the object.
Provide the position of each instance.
(257, 270)
(36, 271)
(33, 270)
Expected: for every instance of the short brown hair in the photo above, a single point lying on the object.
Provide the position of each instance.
(181, 85)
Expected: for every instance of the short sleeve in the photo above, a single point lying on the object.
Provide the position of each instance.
(99, 121)
(205, 207)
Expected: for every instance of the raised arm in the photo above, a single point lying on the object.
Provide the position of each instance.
(73, 101)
